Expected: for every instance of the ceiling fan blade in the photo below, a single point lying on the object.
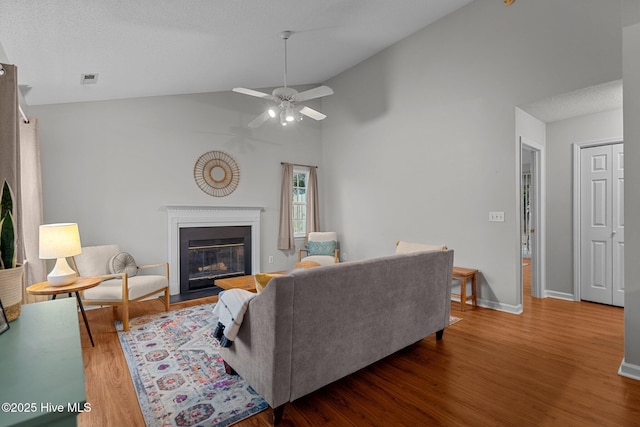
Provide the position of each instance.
(310, 112)
(259, 120)
(251, 92)
(316, 92)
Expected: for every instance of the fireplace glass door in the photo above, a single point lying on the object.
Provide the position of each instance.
(210, 253)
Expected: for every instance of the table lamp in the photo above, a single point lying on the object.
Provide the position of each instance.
(59, 241)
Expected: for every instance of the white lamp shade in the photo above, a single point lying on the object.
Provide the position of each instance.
(59, 241)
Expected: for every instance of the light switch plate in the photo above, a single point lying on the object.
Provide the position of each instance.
(496, 216)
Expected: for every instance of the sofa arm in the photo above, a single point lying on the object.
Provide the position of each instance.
(261, 353)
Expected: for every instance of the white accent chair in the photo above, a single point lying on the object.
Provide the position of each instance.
(322, 248)
(118, 289)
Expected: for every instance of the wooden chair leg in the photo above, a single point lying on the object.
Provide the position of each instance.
(167, 296)
(125, 315)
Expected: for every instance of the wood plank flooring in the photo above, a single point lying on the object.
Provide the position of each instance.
(554, 365)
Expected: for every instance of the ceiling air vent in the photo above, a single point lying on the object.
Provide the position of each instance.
(88, 79)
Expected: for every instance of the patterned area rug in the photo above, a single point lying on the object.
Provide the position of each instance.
(454, 319)
(178, 373)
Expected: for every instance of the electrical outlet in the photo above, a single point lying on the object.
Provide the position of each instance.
(344, 256)
(270, 259)
(496, 216)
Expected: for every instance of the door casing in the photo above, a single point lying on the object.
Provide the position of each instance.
(538, 173)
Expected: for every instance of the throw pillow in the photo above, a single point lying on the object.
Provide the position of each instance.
(123, 262)
(322, 248)
(263, 279)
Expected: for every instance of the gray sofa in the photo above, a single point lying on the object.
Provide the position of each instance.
(312, 327)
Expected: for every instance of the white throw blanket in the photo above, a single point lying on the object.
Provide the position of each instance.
(230, 309)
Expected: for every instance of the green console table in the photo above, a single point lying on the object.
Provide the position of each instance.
(41, 369)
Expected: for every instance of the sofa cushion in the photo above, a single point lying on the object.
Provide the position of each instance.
(262, 280)
(322, 248)
(406, 247)
(94, 260)
(123, 262)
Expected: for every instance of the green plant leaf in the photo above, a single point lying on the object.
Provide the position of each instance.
(7, 233)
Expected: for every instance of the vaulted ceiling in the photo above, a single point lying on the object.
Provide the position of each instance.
(162, 47)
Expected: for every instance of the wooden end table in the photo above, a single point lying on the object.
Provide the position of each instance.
(462, 274)
(247, 283)
(81, 283)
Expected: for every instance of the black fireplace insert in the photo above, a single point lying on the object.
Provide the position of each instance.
(210, 253)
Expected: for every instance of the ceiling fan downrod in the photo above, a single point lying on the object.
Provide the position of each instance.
(285, 36)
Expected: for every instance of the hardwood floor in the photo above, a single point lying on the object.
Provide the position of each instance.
(554, 365)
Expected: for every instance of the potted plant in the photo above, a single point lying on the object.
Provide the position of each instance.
(10, 272)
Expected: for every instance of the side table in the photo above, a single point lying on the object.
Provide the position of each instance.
(81, 283)
(462, 274)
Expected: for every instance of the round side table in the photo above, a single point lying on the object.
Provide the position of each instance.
(81, 283)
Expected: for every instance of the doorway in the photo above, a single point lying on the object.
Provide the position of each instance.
(531, 218)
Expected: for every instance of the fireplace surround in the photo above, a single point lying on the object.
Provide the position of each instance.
(180, 218)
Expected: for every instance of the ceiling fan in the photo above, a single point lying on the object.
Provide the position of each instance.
(286, 101)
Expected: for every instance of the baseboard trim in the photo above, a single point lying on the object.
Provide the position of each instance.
(559, 295)
(629, 370)
(513, 309)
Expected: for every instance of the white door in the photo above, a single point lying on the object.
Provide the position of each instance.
(602, 224)
(618, 224)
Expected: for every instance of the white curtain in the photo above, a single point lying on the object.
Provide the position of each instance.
(313, 207)
(285, 234)
(32, 211)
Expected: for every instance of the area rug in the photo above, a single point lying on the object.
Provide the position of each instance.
(454, 319)
(178, 373)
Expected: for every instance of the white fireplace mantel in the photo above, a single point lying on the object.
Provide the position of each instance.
(208, 216)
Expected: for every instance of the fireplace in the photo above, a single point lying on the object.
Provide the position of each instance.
(182, 219)
(210, 253)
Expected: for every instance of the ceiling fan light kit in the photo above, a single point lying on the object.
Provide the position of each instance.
(287, 100)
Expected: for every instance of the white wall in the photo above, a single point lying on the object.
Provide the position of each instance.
(419, 144)
(112, 166)
(530, 128)
(561, 136)
(631, 78)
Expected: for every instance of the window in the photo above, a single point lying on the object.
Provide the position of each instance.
(300, 179)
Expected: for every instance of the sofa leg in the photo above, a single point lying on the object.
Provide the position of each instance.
(277, 414)
(228, 369)
(439, 334)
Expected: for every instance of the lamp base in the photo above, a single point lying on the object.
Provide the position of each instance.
(61, 274)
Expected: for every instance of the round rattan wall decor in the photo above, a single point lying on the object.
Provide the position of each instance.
(216, 173)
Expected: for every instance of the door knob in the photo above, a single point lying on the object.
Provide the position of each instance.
(533, 230)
